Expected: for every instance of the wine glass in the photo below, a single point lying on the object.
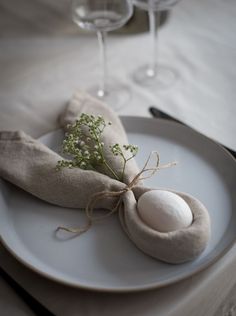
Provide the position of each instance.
(151, 74)
(103, 16)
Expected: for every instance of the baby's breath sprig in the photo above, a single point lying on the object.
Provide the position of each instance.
(84, 145)
(130, 152)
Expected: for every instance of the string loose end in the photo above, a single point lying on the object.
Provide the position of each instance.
(78, 231)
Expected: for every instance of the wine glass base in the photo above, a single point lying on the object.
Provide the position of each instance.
(161, 77)
(116, 95)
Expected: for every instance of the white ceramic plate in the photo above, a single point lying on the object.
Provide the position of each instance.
(104, 258)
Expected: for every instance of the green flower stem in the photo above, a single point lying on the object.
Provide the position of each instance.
(102, 155)
(111, 170)
(124, 164)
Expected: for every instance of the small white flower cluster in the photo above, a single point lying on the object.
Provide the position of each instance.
(83, 144)
(117, 150)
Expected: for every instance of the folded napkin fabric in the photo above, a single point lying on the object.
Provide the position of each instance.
(173, 247)
(31, 165)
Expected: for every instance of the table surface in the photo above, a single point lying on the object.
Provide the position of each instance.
(44, 59)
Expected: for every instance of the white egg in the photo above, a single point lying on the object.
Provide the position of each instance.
(164, 211)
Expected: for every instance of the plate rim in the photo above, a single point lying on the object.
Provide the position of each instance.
(210, 261)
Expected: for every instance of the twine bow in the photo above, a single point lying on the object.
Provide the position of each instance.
(107, 194)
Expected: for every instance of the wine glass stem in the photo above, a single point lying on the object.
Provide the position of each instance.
(102, 46)
(154, 20)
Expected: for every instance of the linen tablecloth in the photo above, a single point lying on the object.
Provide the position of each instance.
(44, 59)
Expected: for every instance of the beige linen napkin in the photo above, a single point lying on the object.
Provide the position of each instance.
(30, 165)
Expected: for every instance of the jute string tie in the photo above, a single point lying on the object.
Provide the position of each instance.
(109, 194)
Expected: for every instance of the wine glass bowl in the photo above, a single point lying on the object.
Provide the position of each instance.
(101, 15)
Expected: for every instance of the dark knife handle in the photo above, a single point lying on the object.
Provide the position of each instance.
(37, 308)
(156, 113)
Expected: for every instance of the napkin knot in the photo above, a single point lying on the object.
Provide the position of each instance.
(109, 194)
